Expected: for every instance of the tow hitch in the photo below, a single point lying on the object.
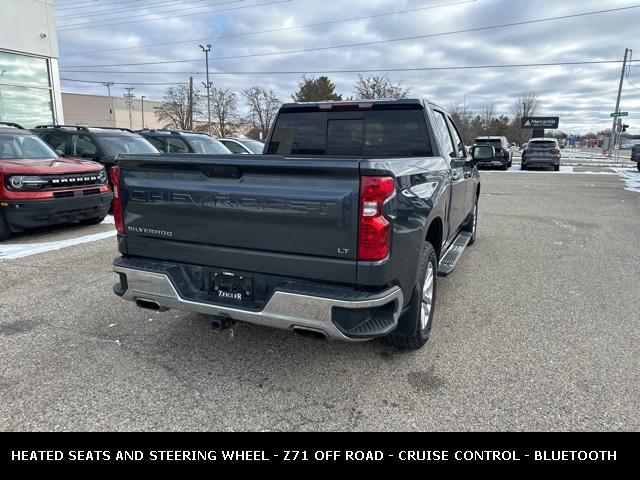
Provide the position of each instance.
(221, 323)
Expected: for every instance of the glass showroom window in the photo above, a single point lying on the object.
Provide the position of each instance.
(25, 90)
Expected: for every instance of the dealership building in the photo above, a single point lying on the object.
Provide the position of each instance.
(29, 79)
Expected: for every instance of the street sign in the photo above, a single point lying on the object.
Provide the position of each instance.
(620, 114)
(540, 122)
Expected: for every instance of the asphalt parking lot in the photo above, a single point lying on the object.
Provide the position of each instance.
(538, 328)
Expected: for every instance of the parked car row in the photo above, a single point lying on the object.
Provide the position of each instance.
(538, 152)
(56, 174)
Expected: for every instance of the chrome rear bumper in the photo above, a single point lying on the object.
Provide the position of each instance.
(284, 310)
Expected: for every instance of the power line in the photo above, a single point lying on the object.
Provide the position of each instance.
(372, 70)
(361, 44)
(96, 26)
(63, 6)
(127, 9)
(182, 9)
(283, 29)
(122, 83)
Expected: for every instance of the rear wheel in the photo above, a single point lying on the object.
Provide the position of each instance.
(556, 168)
(523, 166)
(639, 166)
(414, 327)
(5, 233)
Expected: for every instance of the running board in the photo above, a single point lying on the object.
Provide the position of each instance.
(452, 255)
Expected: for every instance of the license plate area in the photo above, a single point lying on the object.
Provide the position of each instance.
(231, 286)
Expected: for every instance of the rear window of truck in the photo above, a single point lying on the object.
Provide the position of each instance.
(371, 133)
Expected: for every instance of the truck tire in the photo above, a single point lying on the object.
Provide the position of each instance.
(471, 225)
(639, 166)
(93, 221)
(5, 233)
(414, 326)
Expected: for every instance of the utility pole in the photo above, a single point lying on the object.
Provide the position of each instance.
(142, 98)
(129, 98)
(108, 85)
(208, 84)
(612, 141)
(190, 124)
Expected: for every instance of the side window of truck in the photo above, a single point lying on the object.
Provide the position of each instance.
(457, 140)
(441, 125)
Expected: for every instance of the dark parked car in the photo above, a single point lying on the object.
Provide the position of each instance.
(176, 141)
(244, 146)
(99, 144)
(38, 188)
(635, 155)
(503, 156)
(339, 231)
(541, 152)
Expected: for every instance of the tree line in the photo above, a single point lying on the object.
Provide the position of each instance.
(186, 110)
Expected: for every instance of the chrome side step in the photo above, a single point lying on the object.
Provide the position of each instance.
(452, 255)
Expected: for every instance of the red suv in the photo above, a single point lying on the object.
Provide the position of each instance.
(38, 187)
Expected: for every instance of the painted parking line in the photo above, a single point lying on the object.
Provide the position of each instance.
(20, 250)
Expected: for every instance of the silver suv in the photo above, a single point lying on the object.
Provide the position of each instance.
(541, 152)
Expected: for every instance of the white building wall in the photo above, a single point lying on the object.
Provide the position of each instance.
(28, 28)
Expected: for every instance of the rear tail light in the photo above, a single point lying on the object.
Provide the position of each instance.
(503, 150)
(118, 216)
(373, 235)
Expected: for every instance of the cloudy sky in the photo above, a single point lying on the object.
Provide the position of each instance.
(253, 39)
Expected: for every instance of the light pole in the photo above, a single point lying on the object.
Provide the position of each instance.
(207, 85)
(142, 98)
(613, 140)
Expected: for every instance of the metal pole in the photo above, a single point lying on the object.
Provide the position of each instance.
(142, 98)
(190, 124)
(129, 97)
(612, 141)
(208, 85)
(108, 85)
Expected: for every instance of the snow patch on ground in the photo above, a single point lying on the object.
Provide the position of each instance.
(569, 169)
(631, 177)
(13, 251)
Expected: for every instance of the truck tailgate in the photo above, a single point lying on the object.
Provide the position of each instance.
(253, 202)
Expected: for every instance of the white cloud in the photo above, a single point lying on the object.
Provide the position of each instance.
(583, 96)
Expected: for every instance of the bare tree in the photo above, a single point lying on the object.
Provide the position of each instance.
(488, 114)
(224, 109)
(174, 110)
(527, 104)
(377, 87)
(263, 106)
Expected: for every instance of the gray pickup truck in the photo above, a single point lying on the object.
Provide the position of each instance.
(339, 230)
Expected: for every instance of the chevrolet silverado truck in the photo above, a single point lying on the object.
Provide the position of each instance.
(339, 230)
(39, 188)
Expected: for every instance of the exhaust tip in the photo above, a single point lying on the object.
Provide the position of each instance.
(310, 333)
(150, 305)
